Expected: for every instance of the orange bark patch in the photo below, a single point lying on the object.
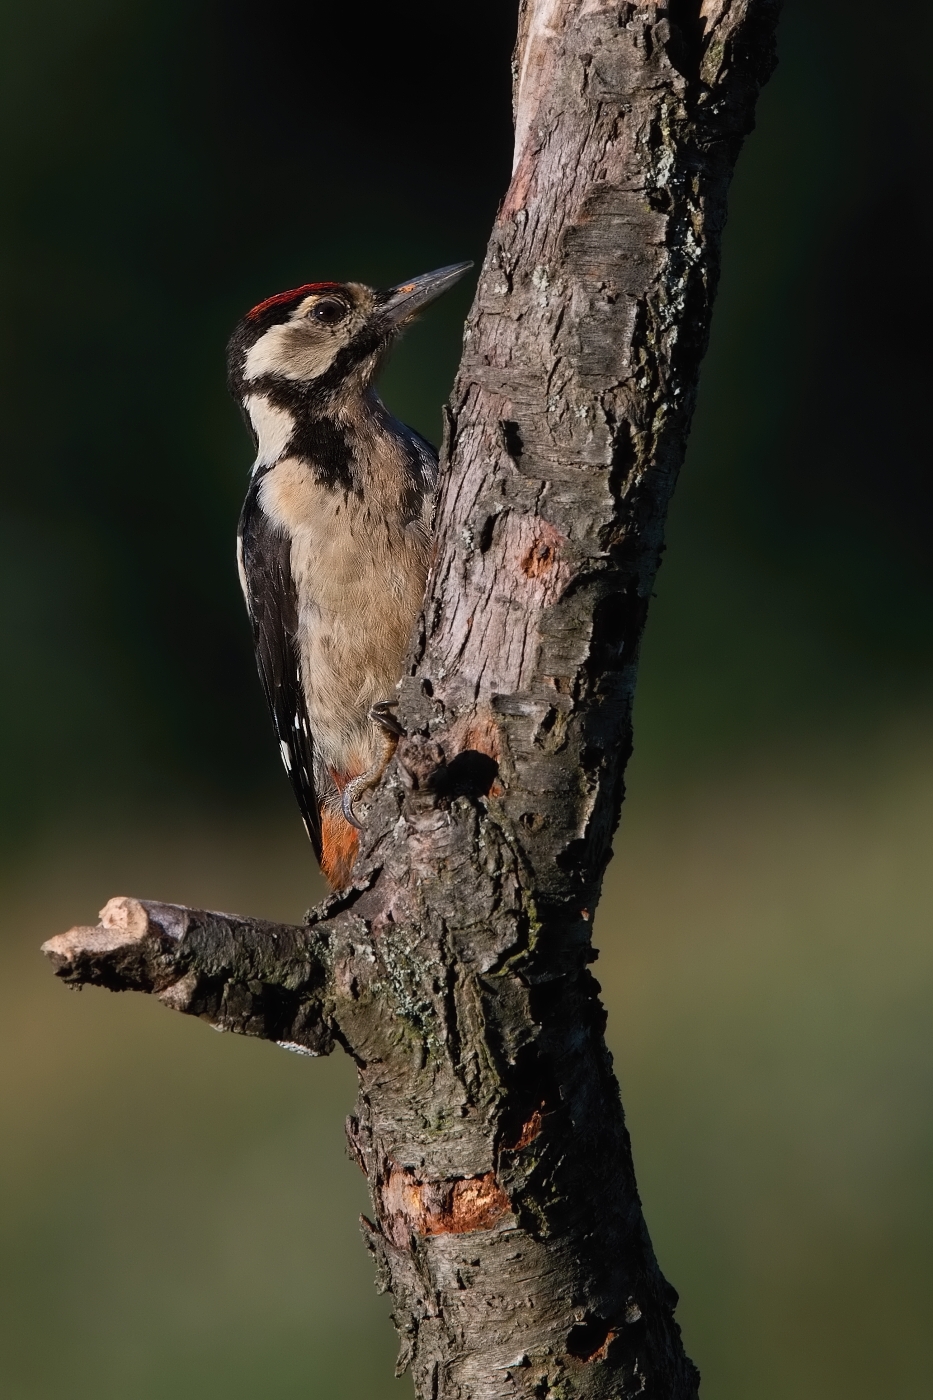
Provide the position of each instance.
(477, 1203)
(440, 1207)
(602, 1352)
(529, 1132)
(590, 1339)
(480, 733)
(339, 844)
(542, 556)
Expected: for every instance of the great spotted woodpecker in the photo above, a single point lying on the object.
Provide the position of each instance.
(335, 536)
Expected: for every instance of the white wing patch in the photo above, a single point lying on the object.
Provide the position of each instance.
(241, 570)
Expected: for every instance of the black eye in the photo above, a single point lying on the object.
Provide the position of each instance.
(328, 311)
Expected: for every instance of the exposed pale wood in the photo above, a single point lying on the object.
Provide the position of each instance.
(506, 1218)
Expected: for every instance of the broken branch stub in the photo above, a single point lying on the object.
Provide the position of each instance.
(244, 975)
(505, 1215)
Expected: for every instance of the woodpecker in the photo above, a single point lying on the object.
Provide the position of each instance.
(334, 538)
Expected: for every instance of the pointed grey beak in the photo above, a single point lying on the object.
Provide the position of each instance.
(399, 303)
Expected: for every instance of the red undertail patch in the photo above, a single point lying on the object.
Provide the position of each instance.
(339, 845)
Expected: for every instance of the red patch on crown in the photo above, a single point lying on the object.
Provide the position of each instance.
(281, 297)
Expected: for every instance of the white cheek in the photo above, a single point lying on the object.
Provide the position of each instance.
(273, 427)
(290, 351)
(264, 357)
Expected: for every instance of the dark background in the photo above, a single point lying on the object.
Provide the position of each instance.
(177, 1216)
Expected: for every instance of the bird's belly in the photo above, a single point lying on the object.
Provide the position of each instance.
(351, 652)
(359, 572)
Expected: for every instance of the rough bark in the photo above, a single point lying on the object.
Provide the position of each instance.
(506, 1219)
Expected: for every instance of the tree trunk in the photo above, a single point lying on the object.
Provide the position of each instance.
(506, 1219)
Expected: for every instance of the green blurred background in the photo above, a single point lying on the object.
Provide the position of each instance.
(177, 1215)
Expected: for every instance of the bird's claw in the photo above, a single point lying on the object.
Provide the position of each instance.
(347, 798)
(381, 715)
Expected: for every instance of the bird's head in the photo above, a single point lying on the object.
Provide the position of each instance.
(322, 343)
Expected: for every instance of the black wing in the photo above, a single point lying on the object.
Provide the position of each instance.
(273, 608)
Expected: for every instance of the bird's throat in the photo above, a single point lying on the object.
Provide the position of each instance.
(273, 426)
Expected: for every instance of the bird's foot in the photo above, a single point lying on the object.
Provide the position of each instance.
(381, 715)
(349, 795)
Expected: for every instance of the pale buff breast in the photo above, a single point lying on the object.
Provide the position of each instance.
(360, 573)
